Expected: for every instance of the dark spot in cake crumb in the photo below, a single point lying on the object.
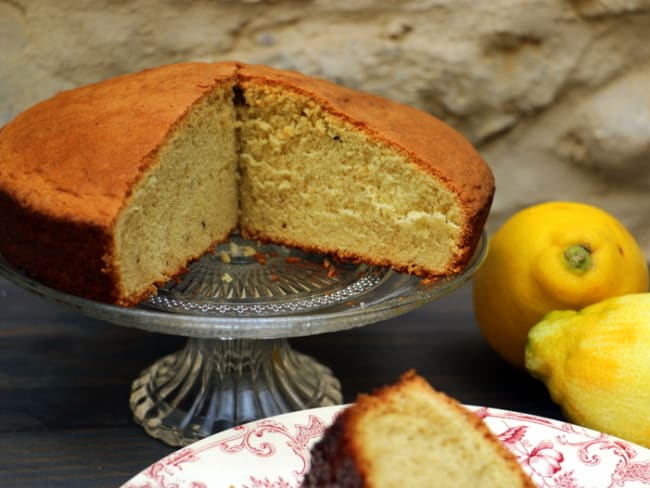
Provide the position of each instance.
(203, 225)
(337, 137)
(284, 225)
(238, 97)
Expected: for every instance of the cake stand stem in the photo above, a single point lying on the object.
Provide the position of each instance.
(213, 384)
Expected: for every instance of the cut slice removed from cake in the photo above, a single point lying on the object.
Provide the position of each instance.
(410, 435)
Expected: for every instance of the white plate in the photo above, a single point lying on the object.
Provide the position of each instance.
(274, 453)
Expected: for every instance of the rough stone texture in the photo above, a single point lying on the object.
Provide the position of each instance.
(554, 93)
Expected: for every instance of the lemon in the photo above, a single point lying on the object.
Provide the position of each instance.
(596, 364)
(555, 255)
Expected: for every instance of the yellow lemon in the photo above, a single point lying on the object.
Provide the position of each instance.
(555, 255)
(596, 364)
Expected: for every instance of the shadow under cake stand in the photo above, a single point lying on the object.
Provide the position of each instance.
(238, 306)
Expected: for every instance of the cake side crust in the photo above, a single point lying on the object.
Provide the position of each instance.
(56, 252)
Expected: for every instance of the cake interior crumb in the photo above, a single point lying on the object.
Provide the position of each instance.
(280, 167)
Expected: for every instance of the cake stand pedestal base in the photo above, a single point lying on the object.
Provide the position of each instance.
(213, 384)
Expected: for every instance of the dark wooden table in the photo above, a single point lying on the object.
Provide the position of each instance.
(65, 381)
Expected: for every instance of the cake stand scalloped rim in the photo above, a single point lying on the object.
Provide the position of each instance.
(393, 303)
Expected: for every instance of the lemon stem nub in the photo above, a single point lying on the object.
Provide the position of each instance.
(578, 258)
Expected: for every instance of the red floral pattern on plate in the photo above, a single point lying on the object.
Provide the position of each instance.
(274, 453)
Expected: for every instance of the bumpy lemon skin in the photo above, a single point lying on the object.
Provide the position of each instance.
(596, 364)
(525, 274)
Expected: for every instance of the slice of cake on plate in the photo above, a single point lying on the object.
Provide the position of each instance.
(410, 435)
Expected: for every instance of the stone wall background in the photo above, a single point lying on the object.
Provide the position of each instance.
(554, 93)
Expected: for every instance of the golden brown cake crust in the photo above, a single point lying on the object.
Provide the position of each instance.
(78, 154)
(68, 164)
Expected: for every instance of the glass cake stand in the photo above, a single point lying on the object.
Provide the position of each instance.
(238, 306)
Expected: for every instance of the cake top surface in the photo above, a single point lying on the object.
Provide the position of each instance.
(78, 154)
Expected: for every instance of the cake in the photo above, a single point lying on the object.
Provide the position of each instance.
(409, 434)
(110, 189)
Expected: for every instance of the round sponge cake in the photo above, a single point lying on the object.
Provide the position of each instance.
(110, 189)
